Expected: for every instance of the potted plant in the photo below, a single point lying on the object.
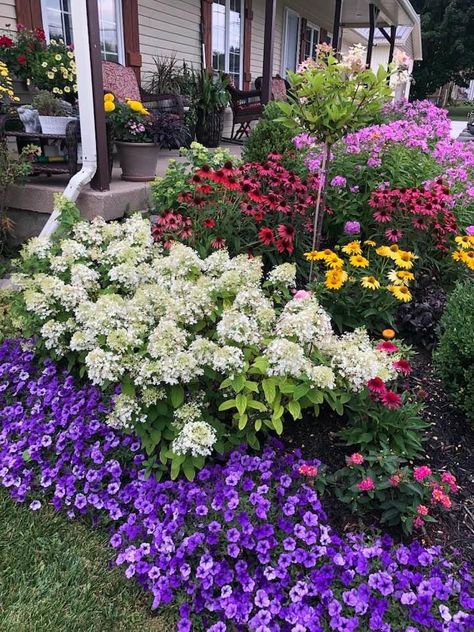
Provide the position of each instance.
(18, 50)
(139, 136)
(210, 101)
(54, 114)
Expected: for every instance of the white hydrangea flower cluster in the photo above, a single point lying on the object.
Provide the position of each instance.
(354, 356)
(196, 438)
(126, 413)
(161, 318)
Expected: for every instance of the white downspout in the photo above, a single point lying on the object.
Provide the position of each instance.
(80, 29)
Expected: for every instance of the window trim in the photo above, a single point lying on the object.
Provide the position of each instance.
(120, 28)
(227, 40)
(288, 11)
(315, 28)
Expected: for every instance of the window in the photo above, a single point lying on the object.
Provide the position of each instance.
(290, 51)
(311, 40)
(57, 24)
(227, 37)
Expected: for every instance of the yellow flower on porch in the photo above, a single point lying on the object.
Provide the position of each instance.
(335, 279)
(400, 292)
(137, 106)
(109, 106)
(358, 261)
(370, 283)
(108, 96)
(352, 248)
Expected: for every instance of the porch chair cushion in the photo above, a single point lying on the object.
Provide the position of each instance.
(120, 81)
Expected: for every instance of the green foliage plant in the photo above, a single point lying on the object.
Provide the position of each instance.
(454, 355)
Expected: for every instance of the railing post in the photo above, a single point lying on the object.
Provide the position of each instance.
(269, 37)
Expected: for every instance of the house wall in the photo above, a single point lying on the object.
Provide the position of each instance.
(7, 14)
(169, 27)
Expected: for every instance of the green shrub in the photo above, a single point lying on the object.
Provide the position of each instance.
(269, 136)
(454, 356)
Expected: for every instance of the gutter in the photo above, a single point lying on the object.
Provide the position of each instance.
(80, 29)
(416, 33)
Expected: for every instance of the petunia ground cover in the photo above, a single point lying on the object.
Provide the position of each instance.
(245, 546)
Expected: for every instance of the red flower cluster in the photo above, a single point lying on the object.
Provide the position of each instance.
(6, 41)
(273, 205)
(425, 208)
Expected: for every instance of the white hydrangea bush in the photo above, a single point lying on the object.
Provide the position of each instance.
(208, 352)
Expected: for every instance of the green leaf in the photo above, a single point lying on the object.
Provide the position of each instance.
(300, 391)
(127, 387)
(251, 386)
(227, 405)
(256, 405)
(278, 425)
(189, 470)
(269, 389)
(238, 383)
(258, 424)
(175, 468)
(241, 403)
(295, 409)
(242, 421)
(177, 395)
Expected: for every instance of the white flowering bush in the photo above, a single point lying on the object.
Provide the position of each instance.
(207, 352)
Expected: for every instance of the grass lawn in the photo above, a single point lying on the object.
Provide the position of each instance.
(55, 577)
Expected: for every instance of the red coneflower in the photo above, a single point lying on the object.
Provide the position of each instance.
(391, 400)
(393, 234)
(228, 168)
(265, 235)
(382, 216)
(209, 223)
(376, 385)
(286, 232)
(204, 171)
(232, 183)
(284, 245)
(403, 366)
(205, 189)
(218, 242)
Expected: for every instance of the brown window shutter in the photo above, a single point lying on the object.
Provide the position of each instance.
(206, 27)
(131, 35)
(248, 17)
(322, 36)
(28, 13)
(304, 24)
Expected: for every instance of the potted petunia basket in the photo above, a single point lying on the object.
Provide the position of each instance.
(140, 135)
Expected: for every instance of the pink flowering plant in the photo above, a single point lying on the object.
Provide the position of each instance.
(383, 483)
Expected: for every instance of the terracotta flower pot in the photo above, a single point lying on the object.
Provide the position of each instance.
(138, 160)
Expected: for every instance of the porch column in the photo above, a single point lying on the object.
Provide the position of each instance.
(269, 37)
(393, 35)
(101, 180)
(336, 29)
(373, 12)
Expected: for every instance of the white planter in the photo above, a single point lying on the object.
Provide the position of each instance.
(55, 124)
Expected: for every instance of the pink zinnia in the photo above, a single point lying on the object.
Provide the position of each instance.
(308, 470)
(403, 366)
(366, 485)
(422, 510)
(418, 522)
(376, 385)
(387, 346)
(395, 480)
(421, 472)
(450, 480)
(391, 400)
(355, 459)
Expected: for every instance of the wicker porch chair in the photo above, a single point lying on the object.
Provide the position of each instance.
(246, 107)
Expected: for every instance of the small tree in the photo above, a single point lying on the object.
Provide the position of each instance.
(331, 96)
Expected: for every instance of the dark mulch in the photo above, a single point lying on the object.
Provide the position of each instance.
(449, 446)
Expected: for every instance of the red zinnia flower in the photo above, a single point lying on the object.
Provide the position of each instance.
(266, 236)
(391, 400)
(21, 59)
(209, 223)
(403, 366)
(387, 346)
(376, 385)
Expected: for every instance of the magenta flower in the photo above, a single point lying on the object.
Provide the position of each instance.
(421, 472)
(352, 227)
(366, 484)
